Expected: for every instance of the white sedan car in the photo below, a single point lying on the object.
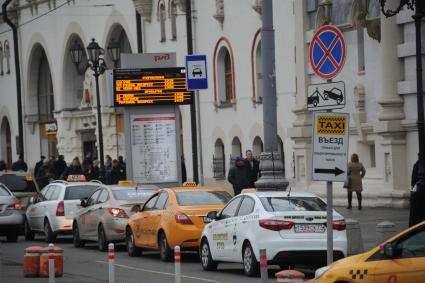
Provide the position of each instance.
(290, 226)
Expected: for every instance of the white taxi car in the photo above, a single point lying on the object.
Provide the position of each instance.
(52, 211)
(290, 226)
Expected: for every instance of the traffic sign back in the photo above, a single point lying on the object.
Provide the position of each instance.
(327, 52)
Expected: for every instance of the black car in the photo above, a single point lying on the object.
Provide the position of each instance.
(197, 71)
(335, 94)
(313, 99)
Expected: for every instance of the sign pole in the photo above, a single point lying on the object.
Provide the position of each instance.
(329, 222)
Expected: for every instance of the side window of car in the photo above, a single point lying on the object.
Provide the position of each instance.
(49, 193)
(413, 245)
(92, 200)
(162, 199)
(43, 193)
(55, 192)
(103, 197)
(150, 204)
(247, 206)
(230, 209)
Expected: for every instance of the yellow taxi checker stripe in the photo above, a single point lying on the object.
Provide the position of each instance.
(331, 125)
(358, 273)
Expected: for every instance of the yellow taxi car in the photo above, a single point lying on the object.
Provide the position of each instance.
(171, 217)
(401, 259)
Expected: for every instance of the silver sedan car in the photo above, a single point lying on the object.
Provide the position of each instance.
(104, 215)
(11, 216)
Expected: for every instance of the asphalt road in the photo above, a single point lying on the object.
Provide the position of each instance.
(88, 265)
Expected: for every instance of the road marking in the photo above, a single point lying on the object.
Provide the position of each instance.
(159, 272)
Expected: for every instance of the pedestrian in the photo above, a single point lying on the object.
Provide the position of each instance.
(254, 167)
(108, 169)
(417, 195)
(183, 168)
(240, 175)
(356, 172)
(122, 166)
(73, 169)
(60, 166)
(45, 174)
(87, 164)
(95, 171)
(116, 173)
(38, 165)
(3, 166)
(20, 164)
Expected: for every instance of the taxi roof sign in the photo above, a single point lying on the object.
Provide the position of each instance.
(189, 184)
(125, 182)
(76, 178)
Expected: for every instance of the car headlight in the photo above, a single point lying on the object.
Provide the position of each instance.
(319, 272)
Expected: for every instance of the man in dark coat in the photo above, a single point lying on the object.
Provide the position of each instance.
(60, 166)
(254, 166)
(20, 165)
(74, 169)
(240, 175)
(38, 165)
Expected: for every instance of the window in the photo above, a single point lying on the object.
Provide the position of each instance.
(133, 194)
(247, 206)
(228, 76)
(4, 192)
(18, 183)
(45, 98)
(293, 204)
(258, 74)
(93, 199)
(236, 147)
(230, 209)
(173, 15)
(413, 245)
(224, 76)
(162, 199)
(372, 155)
(7, 55)
(219, 166)
(199, 198)
(43, 193)
(79, 192)
(103, 197)
(360, 49)
(49, 193)
(150, 204)
(55, 192)
(162, 20)
(257, 146)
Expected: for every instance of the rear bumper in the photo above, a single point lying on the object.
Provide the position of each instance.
(61, 225)
(11, 222)
(115, 229)
(185, 236)
(304, 257)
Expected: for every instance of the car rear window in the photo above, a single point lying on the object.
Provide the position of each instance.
(4, 192)
(18, 183)
(202, 198)
(79, 192)
(272, 204)
(133, 194)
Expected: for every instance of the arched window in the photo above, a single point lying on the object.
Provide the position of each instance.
(1, 60)
(6, 141)
(162, 16)
(219, 166)
(257, 147)
(258, 74)
(7, 55)
(225, 76)
(228, 76)
(236, 148)
(173, 16)
(45, 100)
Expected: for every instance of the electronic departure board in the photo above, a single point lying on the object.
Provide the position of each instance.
(150, 87)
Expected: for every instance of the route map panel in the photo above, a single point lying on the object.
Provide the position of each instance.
(150, 87)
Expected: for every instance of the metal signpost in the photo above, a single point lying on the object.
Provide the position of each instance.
(330, 130)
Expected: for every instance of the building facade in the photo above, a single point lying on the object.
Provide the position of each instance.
(379, 76)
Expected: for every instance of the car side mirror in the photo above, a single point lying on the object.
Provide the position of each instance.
(388, 250)
(32, 200)
(136, 208)
(83, 202)
(213, 215)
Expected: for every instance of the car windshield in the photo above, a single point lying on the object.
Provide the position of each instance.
(275, 204)
(133, 194)
(79, 192)
(190, 198)
(4, 192)
(19, 183)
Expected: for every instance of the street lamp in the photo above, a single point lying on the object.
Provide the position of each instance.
(114, 52)
(417, 199)
(95, 62)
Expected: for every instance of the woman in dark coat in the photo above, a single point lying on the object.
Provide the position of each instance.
(356, 171)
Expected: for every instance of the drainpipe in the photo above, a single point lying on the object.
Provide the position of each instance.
(18, 75)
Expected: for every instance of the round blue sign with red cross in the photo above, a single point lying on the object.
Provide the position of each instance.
(327, 52)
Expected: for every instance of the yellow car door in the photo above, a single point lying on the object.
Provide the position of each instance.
(144, 223)
(404, 259)
(157, 217)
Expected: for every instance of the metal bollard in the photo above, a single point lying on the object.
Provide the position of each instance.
(111, 259)
(354, 237)
(51, 263)
(177, 265)
(263, 266)
(384, 231)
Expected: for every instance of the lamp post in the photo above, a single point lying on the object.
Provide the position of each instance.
(97, 64)
(417, 199)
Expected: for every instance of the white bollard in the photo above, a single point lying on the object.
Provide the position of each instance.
(177, 267)
(111, 259)
(263, 266)
(51, 263)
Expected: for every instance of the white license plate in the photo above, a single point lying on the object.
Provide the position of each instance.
(309, 228)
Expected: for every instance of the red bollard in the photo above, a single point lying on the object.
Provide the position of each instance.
(289, 276)
(32, 261)
(263, 266)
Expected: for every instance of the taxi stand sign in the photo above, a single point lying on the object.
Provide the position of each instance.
(330, 146)
(196, 72)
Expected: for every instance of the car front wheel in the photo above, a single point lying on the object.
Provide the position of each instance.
(250, 264)
(206, 259)
(132, 250)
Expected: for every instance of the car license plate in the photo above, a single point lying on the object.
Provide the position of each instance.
(309, 228)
